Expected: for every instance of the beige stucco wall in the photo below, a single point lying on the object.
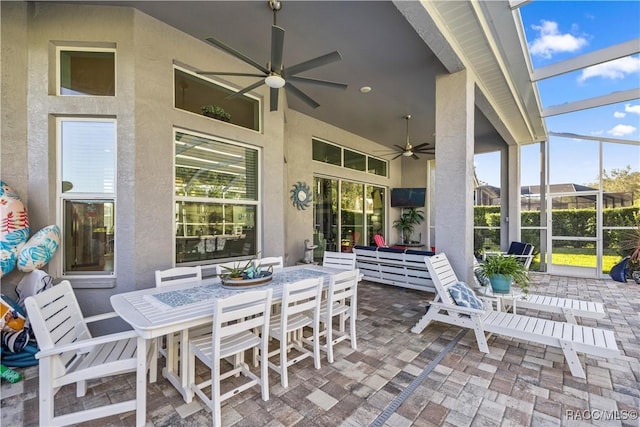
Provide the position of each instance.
(143, 107)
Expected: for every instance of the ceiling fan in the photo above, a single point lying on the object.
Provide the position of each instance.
(410, 150)
(275, 75)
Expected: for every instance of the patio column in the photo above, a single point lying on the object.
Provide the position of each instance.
(454, 170)
(513, 191)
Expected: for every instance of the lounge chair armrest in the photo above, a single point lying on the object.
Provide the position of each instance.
(461, 310)
(99, 317)
(86, 344)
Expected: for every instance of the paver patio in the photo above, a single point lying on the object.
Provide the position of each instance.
(518, 384)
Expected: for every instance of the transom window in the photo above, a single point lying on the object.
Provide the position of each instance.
(335, 155)
(86, 71)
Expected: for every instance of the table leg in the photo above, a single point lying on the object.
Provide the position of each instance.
(141, 383)
(187, 394)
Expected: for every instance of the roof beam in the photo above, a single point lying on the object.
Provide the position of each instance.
(588, 59)
(593, 138)
(597, 101)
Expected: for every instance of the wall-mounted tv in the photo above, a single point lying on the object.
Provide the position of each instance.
(408, 197)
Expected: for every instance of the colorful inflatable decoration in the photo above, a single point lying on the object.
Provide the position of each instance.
(39, 249)
(14, 228)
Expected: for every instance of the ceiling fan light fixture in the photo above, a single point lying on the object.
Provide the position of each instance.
(274, 81)
(407, 153)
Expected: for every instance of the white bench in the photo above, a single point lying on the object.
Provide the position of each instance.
(397, 267)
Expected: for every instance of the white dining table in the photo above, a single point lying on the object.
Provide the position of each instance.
(155, 312)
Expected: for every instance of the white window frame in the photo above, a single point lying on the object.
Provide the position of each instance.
(97, 278)
(59, 49)
(257, 203)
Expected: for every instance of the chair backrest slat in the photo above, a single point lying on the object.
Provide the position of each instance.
(242, 312)
(301, 296)
(56, 319)
(274, 262)
(339, 260)
(178, 275)
(343, 286)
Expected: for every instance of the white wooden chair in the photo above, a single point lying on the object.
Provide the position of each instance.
(341, 301)
(568, 337)
(276, 263)
(339, 260)
(69, 354)
(300, 308)
(176, 276)
(240, 323)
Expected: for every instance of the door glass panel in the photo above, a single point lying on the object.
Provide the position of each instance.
(374, 203)
(574, 253)
(352, 215)
(325, 214)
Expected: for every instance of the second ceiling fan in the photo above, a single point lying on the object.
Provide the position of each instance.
(410, 150)
(275, 74)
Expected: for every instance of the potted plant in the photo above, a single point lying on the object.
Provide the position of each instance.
(502, 270)
(243, 274)
(216, 112)
(407, 222)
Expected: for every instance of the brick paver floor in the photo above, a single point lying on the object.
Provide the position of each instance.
(517, 384)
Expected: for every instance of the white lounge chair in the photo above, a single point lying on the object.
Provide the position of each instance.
(570, 308)
(570, 338)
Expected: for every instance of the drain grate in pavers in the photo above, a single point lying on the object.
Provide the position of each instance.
(395, 404)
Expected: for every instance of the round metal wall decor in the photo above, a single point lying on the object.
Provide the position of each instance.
(301, 195)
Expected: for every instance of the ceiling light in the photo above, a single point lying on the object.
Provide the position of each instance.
(274, 81)
(365, 89)
(407, 153)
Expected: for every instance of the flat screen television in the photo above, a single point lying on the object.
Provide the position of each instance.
(408, 197)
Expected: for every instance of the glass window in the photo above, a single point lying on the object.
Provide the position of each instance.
(327, 153)
(353, 160)
(377, 166)
(193, 93)
(87, 72)
(87, 192)
(217, 198)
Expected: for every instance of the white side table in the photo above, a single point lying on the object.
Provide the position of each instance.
(503, 301)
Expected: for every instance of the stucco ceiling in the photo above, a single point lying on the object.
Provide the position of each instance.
(379, 48)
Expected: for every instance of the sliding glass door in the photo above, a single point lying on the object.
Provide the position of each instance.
(346, 214)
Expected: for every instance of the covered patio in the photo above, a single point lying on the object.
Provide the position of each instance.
(397, 378)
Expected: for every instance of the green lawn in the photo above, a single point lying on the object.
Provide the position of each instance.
(570, 256)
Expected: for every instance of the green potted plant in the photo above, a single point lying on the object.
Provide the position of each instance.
(407, 223)
(216, 112)
(502, 270)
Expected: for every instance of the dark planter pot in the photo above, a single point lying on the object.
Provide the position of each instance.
(500, 283)
(217, 117)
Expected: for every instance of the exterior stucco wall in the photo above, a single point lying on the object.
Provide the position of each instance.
(146, 50)
(143, 106)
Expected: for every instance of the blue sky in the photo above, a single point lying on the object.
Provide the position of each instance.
(560, 30)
